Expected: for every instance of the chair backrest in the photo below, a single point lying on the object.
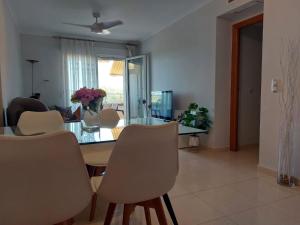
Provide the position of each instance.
(19, 105)
(43, 179)
(143, 164)
(40, 122)
(109, 118)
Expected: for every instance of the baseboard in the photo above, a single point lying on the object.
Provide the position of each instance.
(204, 147)
(267, 171)
(241, 147)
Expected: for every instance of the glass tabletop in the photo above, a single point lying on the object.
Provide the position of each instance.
(104, 134)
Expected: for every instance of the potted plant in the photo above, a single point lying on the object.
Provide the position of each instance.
(196, 117)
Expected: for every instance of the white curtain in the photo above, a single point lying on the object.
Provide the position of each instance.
(79, 67)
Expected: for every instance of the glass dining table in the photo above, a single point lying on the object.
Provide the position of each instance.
(107, 134)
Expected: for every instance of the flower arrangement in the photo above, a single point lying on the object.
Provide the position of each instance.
(89, 98)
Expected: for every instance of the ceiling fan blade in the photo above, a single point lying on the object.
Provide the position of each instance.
(78, 25)
(110, 24)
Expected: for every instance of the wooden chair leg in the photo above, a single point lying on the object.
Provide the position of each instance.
(147, 215)
(99, 171)
(110, 213)
(93, 207)
(91, 170)
(95, 170)
(160, 211)
(128, 209)
(170, 208)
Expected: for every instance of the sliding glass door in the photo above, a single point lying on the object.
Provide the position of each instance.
(137, 87)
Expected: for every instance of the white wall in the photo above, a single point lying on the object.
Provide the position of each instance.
(181, 63)
(281, 24)
(48, 51)
(10, 56)
(185, 59)
(250, 85)
(220, 136)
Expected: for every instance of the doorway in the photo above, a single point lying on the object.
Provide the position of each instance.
(1, 104)
(137, 85)
(111, 78)
(126, 82)
(246, 82)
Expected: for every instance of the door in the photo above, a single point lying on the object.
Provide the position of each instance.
(137, 87)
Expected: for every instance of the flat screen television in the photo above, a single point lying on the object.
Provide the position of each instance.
(162, 104)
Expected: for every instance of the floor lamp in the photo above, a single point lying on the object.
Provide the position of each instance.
(33, 61)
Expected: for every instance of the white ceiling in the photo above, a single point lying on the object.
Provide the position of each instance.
(142, 18)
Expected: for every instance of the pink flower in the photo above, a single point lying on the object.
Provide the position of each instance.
(87, 95)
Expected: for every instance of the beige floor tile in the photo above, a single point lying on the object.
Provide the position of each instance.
(219, 188)
(190, 184)
(221, 221)
(227, 200)
(291, 206)
(261, 191)
(137, 218)
(263, 216)
(273, 181)
(190, 210)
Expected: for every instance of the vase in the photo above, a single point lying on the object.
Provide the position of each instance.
(90, 121)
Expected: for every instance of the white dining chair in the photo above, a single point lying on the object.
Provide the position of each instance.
(98, 155)
(142, 168)
(34, 196)
(109, 118)
(40, 122)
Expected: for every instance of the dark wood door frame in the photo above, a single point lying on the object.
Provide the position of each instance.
(1, 104)
(235, 63)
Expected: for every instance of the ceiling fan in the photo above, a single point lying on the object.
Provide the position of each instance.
(99, 27)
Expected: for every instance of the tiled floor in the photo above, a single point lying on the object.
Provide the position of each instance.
(221, 188)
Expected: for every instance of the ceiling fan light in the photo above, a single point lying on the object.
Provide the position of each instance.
(103, 32)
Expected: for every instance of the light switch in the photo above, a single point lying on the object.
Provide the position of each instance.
(274, 86)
